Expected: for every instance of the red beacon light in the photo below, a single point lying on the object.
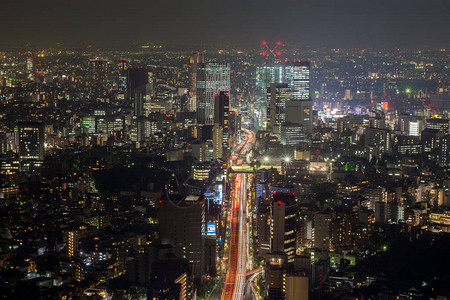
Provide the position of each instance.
(279, 43)
(264, 43)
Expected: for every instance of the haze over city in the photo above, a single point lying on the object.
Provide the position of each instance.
(331, 23)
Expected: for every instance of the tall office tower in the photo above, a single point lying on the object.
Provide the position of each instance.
(299, 112)
(122, 66)
(277, 95)
(182, 225)
(138, 97)
(298, 77)
(222, 121)
(195, 60)
(321, 230)
(265, 76)
(299, 108)
(137, 77)
(136, 88)
(212, 78)
(263, 220)
(98, 78)
(283, 229)
(217, 141)
(30, 63)
(31, 142)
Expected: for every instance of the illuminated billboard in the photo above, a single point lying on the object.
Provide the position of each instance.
(218, 194)
(211, 229)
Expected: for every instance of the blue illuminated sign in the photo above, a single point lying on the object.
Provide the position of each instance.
(210, 228)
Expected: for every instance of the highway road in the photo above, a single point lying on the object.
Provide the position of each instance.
(235, 281)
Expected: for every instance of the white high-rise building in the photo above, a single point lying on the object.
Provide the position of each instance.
(212, 78)
(298, 75)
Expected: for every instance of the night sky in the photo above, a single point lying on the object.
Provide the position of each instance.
(242, 23)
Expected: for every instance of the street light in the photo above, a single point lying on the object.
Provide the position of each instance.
(266, 159)
(287, 159)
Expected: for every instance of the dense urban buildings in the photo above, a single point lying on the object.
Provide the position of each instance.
(224, 172)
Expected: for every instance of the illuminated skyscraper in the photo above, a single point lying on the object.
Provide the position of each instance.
(277, 95)
(298, 75)
(195, 60)
(30, 63)
(265, 76)
(299, 108)
(212, 78)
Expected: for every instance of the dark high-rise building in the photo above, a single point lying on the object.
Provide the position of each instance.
(31, 140)
(299, 112)
(377, 141)
(136, 88)
(222, 121)
(182, 226)
(98, 78)
(195, 60)
(284, 224)
(31, 145)
(212, 78)
(137, 77)
(138, 97)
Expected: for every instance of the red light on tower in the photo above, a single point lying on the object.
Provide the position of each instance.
(278, 53)
(264, 53)
(279, 43)
(264, 43)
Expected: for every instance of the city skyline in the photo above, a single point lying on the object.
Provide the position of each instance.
(206, 150)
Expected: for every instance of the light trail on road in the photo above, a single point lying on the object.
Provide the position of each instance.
(235, 279)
